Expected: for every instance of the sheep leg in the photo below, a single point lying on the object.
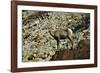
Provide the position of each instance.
(58, 44)
(71, 39)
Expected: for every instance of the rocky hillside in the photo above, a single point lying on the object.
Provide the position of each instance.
(39, 45)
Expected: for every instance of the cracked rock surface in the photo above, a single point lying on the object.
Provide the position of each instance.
(38, 44)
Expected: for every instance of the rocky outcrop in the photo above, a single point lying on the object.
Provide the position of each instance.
(39, 45)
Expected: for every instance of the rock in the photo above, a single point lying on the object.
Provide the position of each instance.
(52, 53)
(38, 59)
(48, 58)
(39, 44)
(35, 55)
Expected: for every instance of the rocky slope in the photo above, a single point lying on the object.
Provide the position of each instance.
(39, 45)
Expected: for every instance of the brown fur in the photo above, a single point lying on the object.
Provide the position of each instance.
(59, 34)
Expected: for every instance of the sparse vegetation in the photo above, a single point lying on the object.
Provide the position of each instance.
(39, 45)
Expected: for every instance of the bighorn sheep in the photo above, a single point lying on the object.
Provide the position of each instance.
(59, 34)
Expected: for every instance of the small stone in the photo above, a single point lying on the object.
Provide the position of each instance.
(52, 53)
(35, 55)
